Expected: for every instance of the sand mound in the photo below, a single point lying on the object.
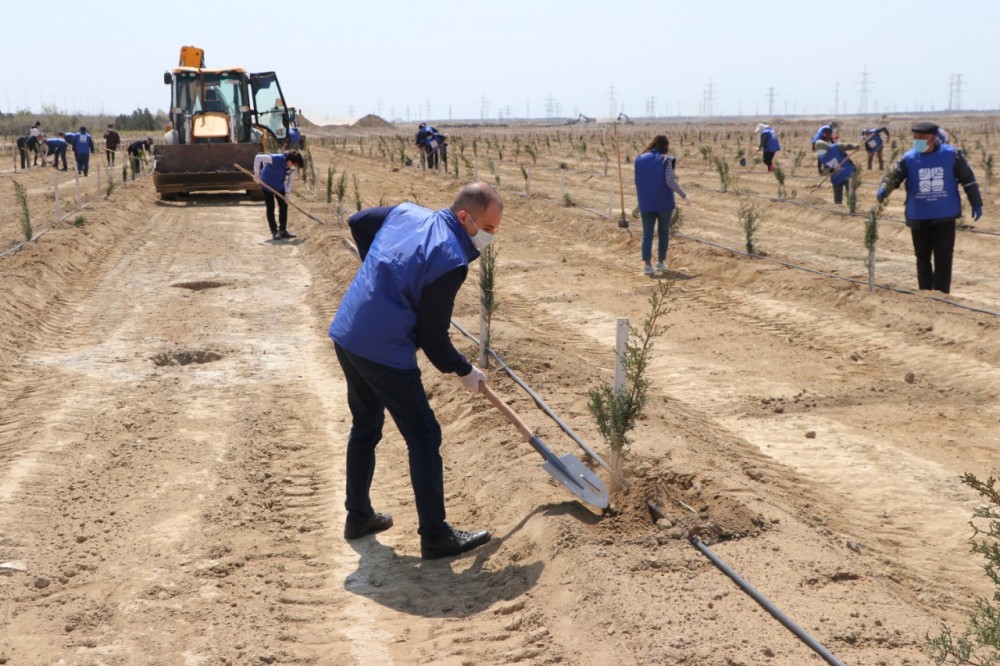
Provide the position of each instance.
(371, 120)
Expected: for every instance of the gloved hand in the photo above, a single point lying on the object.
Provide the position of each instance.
(880, 195)
(471, 380)
(977, 212)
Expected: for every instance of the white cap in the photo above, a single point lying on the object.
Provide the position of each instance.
(760, 126)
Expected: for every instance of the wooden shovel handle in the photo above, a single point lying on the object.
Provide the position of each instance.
(505, 410)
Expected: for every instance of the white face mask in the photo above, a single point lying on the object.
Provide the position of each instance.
(481, 238)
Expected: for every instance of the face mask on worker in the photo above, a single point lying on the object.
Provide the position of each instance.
(920, 145)
(481, 239)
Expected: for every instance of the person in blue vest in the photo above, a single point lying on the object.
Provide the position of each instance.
(872, 139)
(432, 147)
(414, 260)
(828, 134)
(769, 144)
(57, 147)
(655, 186)
(82, 148)
(276, 173)
(835, 162)
(932, 172)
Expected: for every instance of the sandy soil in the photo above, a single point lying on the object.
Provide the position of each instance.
(173, 419)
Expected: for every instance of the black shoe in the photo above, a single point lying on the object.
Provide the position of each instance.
(286, 234)
(275, 236)
(452, 542)
(355, 529)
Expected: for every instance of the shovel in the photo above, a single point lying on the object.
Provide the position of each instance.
(567, 470)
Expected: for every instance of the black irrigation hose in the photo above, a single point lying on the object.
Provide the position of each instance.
(545, 408)
(752, 592)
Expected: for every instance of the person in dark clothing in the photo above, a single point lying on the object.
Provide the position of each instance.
(277, 173)
(136, 152)
(57, 148)
(22, 149)
(32, 144)
(414, 261)
(932, 172)
(872, 139)
(111, 142)
(82, 148)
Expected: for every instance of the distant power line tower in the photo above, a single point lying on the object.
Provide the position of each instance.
(650, 107)
(836, 98)
(484, 108)
(612, 103)
(708, 100)
(864, 83)
(549, 106)
(958, 92)
(770, 101)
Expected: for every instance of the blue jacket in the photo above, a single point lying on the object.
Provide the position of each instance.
(274, 174)
(83, 143)
(769, 140)
(873, 140)
(650, 184)
(840, 167)
(377, 318)
(931, 185)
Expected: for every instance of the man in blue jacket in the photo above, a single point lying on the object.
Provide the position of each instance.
(82, 148)
(57, 147)
(874, 145)
(932, 172)
(769, 144)
(414, 261)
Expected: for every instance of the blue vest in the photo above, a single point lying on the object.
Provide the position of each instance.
(274, 174)
(770, 140)
(56, 144)
(415, 246)
(82, 144)
(71, 139)
(873, 141)
(931, 185)
(653, 193)
(837, 162)
(819, 133)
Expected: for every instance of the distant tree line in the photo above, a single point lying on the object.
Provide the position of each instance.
(19, 122)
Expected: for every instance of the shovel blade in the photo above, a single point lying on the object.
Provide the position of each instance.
(578, 479)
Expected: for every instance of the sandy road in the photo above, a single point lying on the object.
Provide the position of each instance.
(173, 486)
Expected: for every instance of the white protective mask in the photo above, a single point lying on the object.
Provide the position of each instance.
(481, 239)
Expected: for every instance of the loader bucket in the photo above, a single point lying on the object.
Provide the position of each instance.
(203, 167)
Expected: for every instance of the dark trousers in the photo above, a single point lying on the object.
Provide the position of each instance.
(871, 157)
(432, 158)
(111, 156)
(768, 160)
(83, 163)
(269, 199)
(838, 191)
(373, 389)
(57, 153)
(934, 246)
(24, 156)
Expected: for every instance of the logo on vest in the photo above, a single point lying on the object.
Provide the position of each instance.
(931, 180)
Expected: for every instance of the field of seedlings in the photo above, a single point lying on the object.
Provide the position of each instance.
(173, 418)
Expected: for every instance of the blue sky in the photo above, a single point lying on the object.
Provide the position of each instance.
(446, 59)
